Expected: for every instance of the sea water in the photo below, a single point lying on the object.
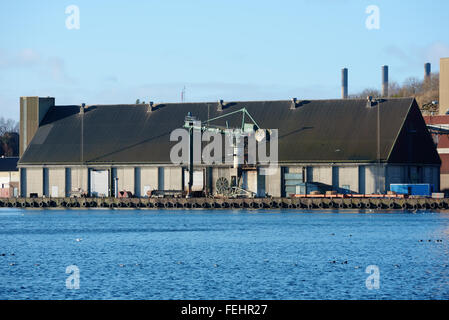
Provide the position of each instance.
(223, 254)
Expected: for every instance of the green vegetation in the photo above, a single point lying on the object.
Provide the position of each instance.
(138, 102)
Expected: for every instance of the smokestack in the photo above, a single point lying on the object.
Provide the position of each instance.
(385, 81)
(427, 71)
(344, 83)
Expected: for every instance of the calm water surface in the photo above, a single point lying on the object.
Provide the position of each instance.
(201, 254)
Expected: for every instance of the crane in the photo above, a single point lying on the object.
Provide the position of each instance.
(190, 123)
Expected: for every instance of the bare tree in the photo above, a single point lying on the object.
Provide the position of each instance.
(366, 93)
(8, 125)
(425, 92)
(394, 89)
(412, 86)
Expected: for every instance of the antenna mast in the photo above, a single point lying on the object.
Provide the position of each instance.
(183, 94)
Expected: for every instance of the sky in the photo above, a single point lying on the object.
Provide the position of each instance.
(234, 50)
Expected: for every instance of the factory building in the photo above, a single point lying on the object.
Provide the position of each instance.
(438, 125)
(348, 145)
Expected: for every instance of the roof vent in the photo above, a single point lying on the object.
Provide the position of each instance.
(82, 107)
(220, 105)
(294, 104)
(369, 102)
(151, 106)
(372, 102)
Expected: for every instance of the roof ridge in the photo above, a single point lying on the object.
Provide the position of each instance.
(234, 101)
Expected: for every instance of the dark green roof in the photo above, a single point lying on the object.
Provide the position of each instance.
(315, 131)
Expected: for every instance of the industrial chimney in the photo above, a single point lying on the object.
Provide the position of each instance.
(344, 83)
(427, 71)
(384, 81)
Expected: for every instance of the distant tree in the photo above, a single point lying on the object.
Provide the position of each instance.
(138, 101)
(425, 92)
(9, 137)
(428, 98)
(411, 86)
(394, 89)
(9, 144)
(8, 125)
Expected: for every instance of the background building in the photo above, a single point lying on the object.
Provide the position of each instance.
(439, 125)
(9, 177)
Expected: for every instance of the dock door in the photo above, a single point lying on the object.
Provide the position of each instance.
(198, 180)
(99, 183)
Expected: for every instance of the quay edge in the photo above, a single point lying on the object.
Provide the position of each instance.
(226, 203)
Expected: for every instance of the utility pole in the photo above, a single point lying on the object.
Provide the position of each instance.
(82, 133)
(183, 94)
(82, 148)
(190, 160)
(378, 147)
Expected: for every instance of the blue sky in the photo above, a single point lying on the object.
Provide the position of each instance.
(231, 50)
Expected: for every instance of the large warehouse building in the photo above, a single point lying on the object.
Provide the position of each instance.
(348, 145)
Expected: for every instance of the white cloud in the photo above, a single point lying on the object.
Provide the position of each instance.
(27, 57)
(436, 51)
(413, 56)
(48, 68)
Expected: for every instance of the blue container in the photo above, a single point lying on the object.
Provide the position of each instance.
(301, 188)
(293, 176)
(417, 189)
